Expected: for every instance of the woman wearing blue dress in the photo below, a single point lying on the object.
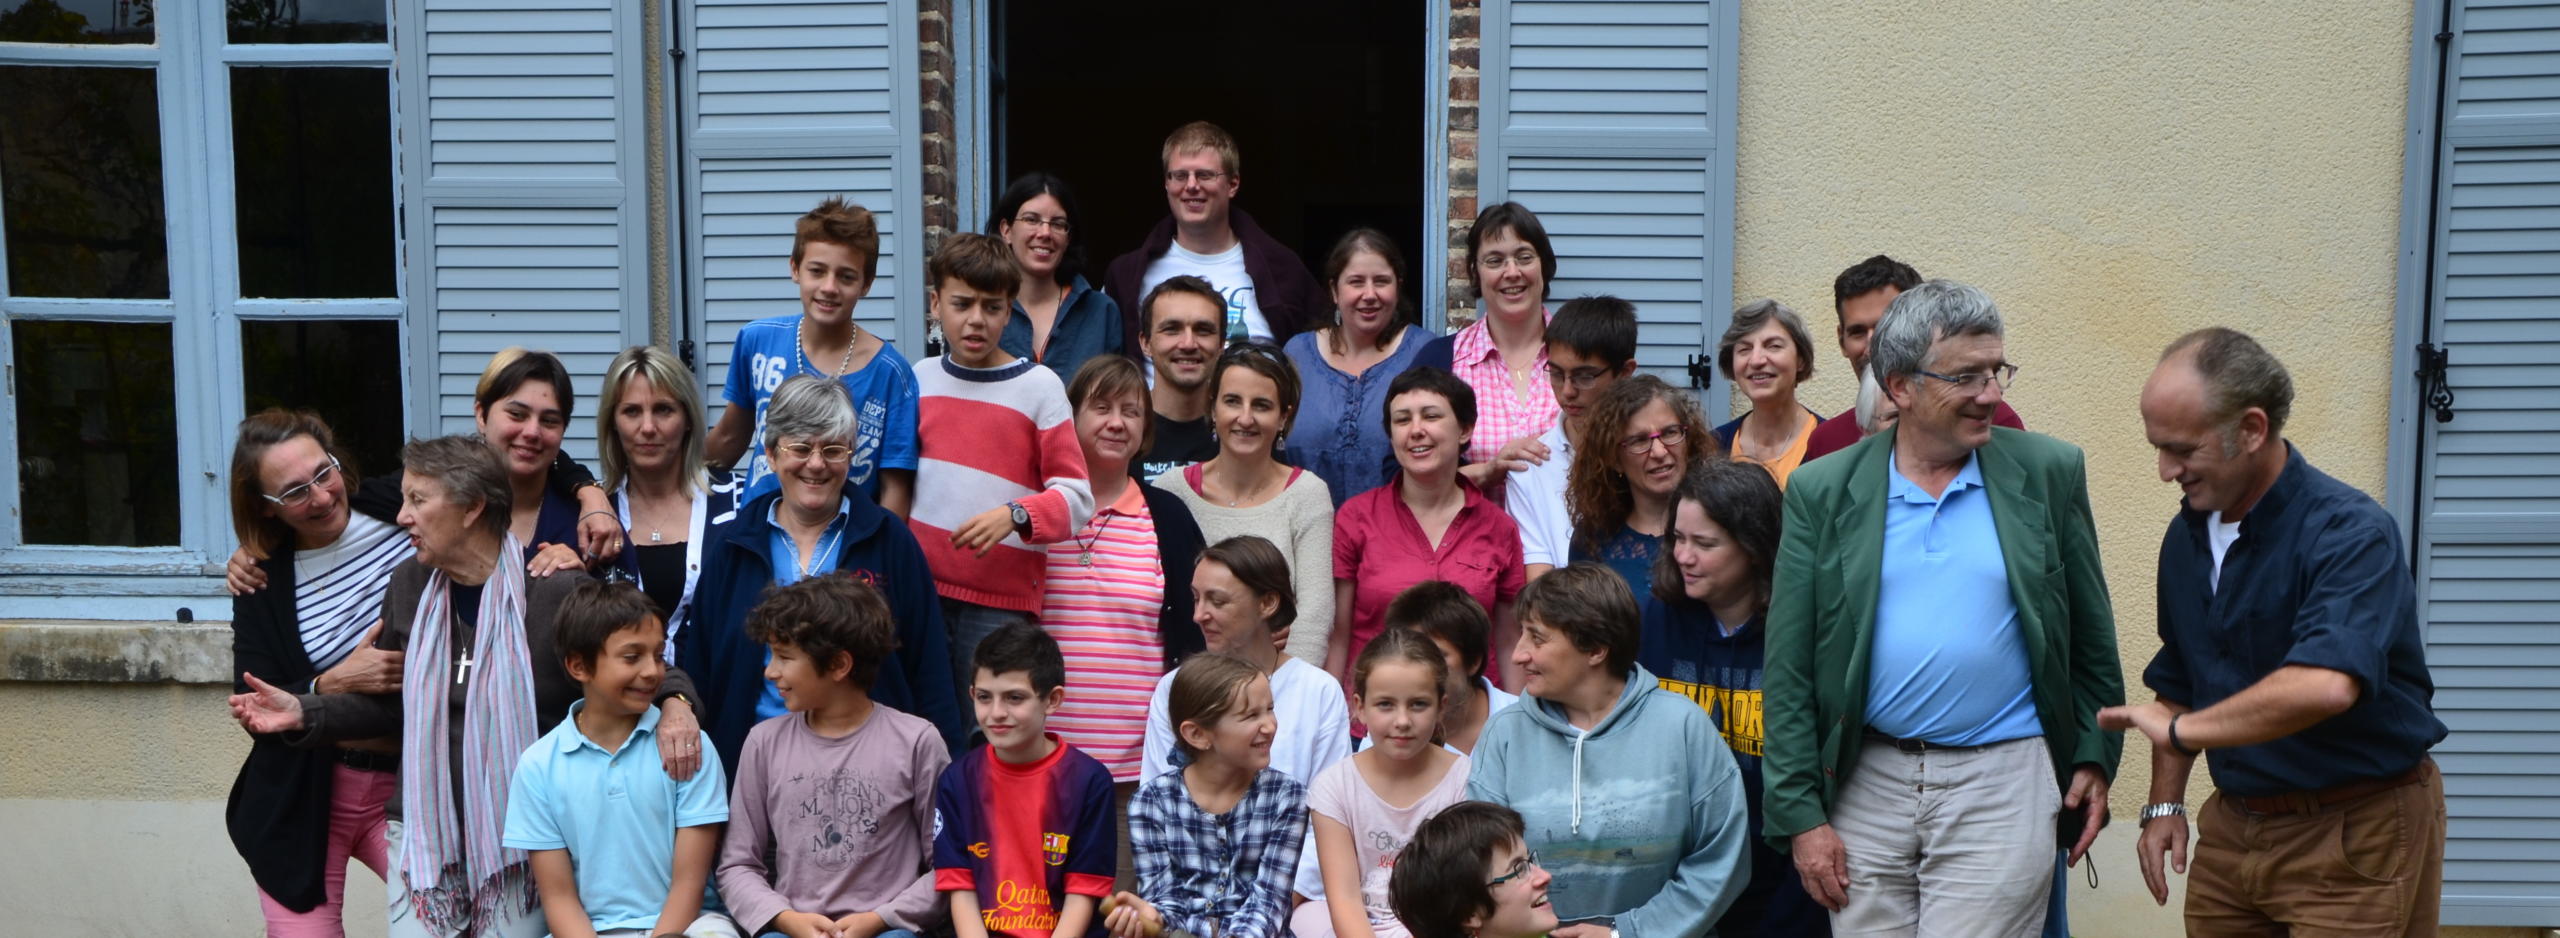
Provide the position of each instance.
(1347, 365)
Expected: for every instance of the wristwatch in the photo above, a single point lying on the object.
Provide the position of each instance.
(1021, 518)
(2163, 809)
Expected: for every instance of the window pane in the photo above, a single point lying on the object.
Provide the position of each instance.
(76, 20)
(308, 21)
(97, 433)
(348, 370)
(311, 160)
(80, 182)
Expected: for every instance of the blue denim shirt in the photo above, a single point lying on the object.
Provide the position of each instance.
(2317, 578)
(1341, 429)
(1088, 324)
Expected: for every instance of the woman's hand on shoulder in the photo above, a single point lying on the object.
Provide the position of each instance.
(242, 575)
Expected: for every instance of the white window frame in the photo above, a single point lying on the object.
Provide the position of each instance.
(193, 58)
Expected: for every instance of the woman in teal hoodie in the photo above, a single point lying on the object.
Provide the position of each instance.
(1626, 790)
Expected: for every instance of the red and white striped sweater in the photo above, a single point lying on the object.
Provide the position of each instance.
(986, 437)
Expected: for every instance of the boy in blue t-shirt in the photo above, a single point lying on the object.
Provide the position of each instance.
(835, 253)
(1024, 841)
(618, 848)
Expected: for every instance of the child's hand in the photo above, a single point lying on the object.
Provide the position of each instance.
(984, 530)
(860, 925)
(805, 925)
(1128, 916)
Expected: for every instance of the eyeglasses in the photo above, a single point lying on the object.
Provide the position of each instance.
(1184, 177)
(1029, 220)
(1496, 262)
(1519, 868)
(836, 454)
(1671, 437)
(300, 495)
(1970, 383)
(1582, 378)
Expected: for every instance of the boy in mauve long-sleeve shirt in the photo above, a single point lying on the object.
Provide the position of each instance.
(831, 823)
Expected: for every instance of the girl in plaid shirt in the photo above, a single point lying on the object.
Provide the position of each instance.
(1217, 838)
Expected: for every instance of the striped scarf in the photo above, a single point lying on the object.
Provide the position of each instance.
(452, 859)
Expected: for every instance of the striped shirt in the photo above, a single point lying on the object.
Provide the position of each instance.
(1502, 415)
(1104, 617)
(337, 590)
(991, 436)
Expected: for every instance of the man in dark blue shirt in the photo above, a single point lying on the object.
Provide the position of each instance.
(2290, 650)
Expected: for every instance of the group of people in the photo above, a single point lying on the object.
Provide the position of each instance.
(1182, 606)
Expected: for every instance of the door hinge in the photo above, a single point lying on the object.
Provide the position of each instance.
(2432, 389)
(1702, 369)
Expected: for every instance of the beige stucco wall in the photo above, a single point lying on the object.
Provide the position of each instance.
(2115, 175)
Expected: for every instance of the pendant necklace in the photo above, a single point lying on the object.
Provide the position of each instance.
(1084, 555)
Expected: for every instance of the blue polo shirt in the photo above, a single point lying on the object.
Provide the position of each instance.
(2316, 578)
(616, 813)
(1948, 663)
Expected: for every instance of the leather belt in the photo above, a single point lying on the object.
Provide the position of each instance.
(369, 761)
(2310, 802)
(1917, 745)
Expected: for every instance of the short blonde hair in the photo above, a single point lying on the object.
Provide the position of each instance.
(1202, 135)
(661, 369)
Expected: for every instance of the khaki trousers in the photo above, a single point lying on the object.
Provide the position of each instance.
(2370, 866)
(1956, 843)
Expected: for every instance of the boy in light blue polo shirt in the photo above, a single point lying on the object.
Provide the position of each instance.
(618, 848)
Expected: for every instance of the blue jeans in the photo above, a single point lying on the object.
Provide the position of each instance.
(2057, 918)
(970, 623)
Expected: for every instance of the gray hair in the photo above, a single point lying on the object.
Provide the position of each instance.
(2238, 374)
(816, 409)
(469, 470)
(1871, 399)
(1749, 318)
(1920, 317)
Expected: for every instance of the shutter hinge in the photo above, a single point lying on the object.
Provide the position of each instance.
(1702, 369)
(2443, 37)
(684, 350)
(2432, 389)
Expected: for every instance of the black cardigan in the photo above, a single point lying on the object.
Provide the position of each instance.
(1179, 540)
(279, 809)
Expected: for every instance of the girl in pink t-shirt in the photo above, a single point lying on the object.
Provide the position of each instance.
(1366, 806)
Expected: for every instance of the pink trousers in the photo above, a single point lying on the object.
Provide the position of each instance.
(356, 800)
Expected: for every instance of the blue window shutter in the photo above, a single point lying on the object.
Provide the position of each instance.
(1614, 122)
(784, 105)
(521, 133)
(2488, 486)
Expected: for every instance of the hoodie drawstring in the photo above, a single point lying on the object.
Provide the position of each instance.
(1577, 781)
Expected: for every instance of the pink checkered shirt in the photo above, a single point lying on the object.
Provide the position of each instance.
(1501, 416)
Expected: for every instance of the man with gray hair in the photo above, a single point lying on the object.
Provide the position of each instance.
(2289, 634)
(1939, 644)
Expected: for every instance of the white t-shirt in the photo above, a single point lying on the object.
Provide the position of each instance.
(1225, 271)
(2221, 535)
(1535, 498)
(1379, 830)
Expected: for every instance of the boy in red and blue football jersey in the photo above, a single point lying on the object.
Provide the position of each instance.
(1024, 841)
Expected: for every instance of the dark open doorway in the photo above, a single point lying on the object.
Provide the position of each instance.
(1325, 99)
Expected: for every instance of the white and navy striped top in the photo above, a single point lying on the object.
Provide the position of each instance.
(338, 588)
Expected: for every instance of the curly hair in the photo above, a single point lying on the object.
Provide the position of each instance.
(1596, 492)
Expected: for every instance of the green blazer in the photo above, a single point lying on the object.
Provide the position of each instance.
(1822, 615)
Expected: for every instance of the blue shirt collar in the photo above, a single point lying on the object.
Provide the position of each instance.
(576, 739)
(1903, 489)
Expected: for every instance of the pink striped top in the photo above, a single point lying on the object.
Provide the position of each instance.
(1501, 414)
(1105, 618)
